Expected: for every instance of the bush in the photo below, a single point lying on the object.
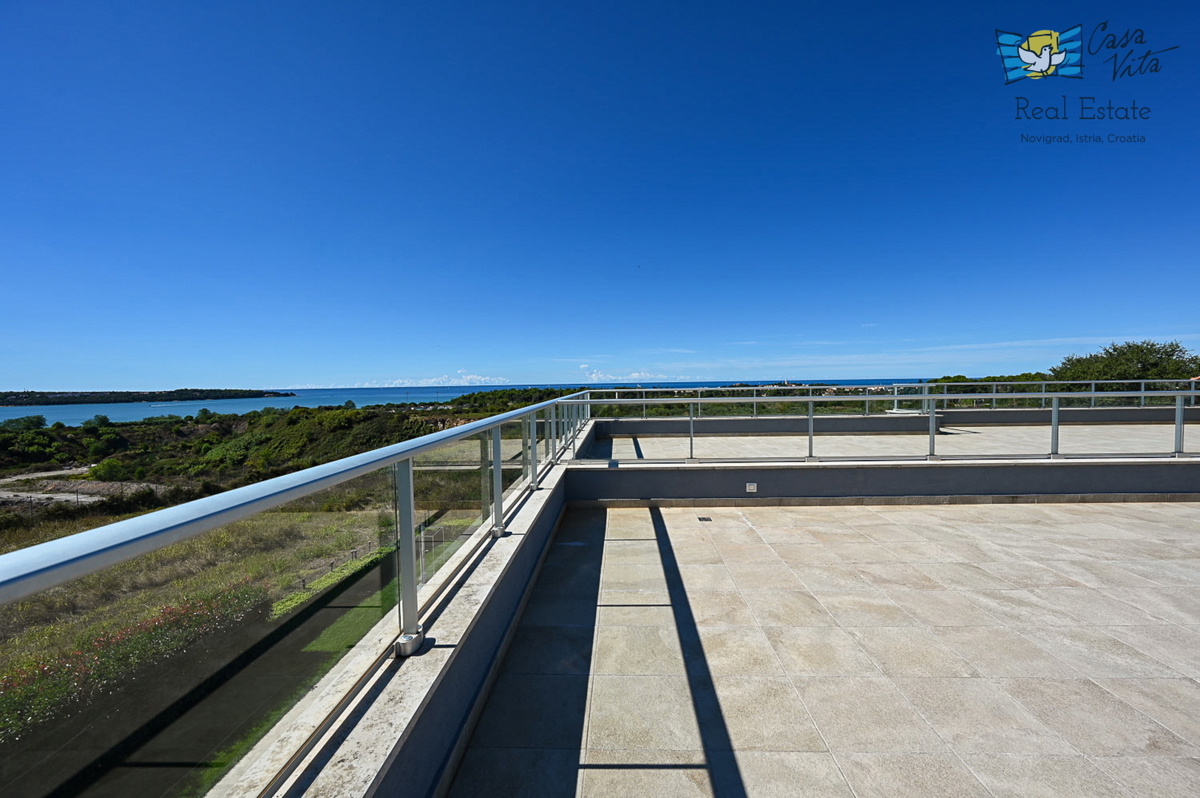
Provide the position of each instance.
(1132, 360)
(109, 470)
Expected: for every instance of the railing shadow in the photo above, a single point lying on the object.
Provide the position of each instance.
(719, 755)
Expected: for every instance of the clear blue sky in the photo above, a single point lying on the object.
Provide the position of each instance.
(348, 193)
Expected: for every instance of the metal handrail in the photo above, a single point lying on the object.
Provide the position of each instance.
(683, 400)
(892, 385)
(27, 571)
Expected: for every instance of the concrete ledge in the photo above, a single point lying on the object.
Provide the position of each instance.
(402, 733)
(853, 501)
(982, 417)
(911, 481)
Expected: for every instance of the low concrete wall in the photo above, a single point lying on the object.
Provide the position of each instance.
(429, 745)
(980, 417)
(912, 423)
(724, 483)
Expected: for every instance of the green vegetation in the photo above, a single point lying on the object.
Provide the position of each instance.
(35, 398)
(490, 403)
(1131, 363)
(65, 647)
(1132, 360)
(224, 449)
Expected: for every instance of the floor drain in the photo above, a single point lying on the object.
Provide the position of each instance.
(704, 518)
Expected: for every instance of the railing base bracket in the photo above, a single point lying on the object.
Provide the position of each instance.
(408, 645)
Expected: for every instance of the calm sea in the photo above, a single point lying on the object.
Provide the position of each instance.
(74, 415)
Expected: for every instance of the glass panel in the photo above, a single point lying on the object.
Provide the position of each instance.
(512, 469)
(154, 676)
(451, 496)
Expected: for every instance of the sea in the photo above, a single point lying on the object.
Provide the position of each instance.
(73, 415)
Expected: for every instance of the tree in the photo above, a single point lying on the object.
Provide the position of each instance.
(24, 423)
(1132, 360)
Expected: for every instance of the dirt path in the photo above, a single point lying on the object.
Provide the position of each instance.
(36, 498)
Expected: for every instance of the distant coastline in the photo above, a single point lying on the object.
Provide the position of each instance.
(42, 398)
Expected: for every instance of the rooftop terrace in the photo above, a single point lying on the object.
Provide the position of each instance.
(980, 594)
(1006, 650)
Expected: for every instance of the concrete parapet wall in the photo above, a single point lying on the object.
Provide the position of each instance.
(912, 423)
(978, 417)
(475, 624)
(727, 483)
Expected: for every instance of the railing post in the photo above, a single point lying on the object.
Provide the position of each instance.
(411, 633)
(497, 485)
(1093, 394)
(754, 395)
(553, 437)
(932, 428)
(1179, 425)
(896, 401)
(810, 428)
(643, 404)
(1043, 394)
(1143, 397)
(533, 452)
(691, 433)
(525, 472)
(1054, 427)
(995, 390)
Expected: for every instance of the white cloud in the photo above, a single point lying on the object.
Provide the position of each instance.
(460, 377)
(596, 375)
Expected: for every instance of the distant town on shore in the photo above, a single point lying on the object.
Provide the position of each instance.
(37, 398)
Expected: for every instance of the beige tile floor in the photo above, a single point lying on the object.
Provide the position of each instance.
(1074, 439)
(991, 650)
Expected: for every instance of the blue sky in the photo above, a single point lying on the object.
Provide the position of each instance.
(339, 194)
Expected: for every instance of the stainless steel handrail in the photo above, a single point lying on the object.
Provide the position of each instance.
(26, 571)
(940, 397)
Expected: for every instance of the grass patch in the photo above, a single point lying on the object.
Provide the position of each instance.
(344, 571)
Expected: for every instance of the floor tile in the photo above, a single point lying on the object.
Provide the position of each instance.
(1003, 652)
(1155, 777)
(516, 773)
(786, 608)
(1174, 703)
(866, 715)
(975, 716)
(767, 774)
(819, 651)
(765, 714)
(734, 651)
(941, 608)
(533, 711)
(645, 772)
(1093, 653)
(628, 712)
(638, 650)
(1009, 776)
(909, 776)
(1093, 720)
(910, 651)
(864, 608)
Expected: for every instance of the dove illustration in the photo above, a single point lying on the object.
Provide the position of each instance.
(1040, 62)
